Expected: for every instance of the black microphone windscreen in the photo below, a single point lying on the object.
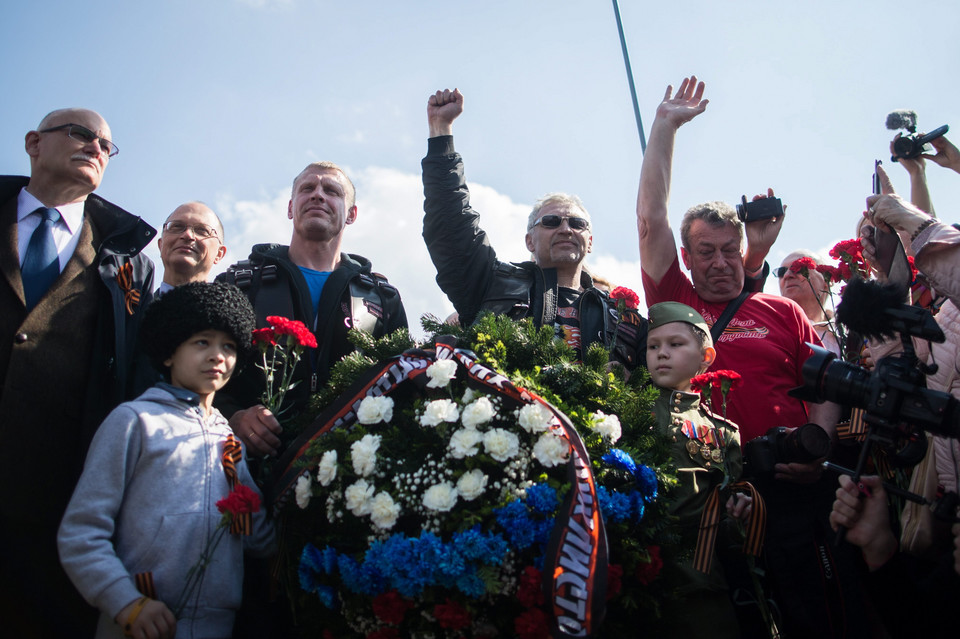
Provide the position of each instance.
(865, 304)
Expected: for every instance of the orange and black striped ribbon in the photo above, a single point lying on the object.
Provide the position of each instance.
(232, 454)
(756, 525)
(131, 296)
(241, 524)
(144, 582)
(855, 428)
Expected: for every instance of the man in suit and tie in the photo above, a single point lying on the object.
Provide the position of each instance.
(73, 286)
(191, 244)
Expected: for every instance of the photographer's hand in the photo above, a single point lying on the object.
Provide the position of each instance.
(947, 154)
(739, 506)
(861, 508)
(916, 167)
(761, 234)
(798, 473)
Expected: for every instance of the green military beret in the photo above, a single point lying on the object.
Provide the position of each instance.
(667, 312)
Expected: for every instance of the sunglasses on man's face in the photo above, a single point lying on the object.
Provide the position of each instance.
(554, 221)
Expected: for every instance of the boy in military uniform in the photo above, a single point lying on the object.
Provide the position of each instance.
(707, 454)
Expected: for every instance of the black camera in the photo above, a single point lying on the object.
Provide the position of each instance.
(762, 209)
(894, 393)
(894, 396)
(910, 146)
(784, 446)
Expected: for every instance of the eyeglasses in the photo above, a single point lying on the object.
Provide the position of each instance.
(554, 221)
(200, 231)
(85, 135)
(780, 271)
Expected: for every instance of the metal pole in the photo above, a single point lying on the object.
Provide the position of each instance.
(633, 89)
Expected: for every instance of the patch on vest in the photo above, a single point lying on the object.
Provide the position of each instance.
(373, 309)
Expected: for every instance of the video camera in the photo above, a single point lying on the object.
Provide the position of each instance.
(910, 146)
(894, 395)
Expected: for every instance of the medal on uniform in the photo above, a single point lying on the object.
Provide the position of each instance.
(716, 455)
(693, 448)
(705, 452)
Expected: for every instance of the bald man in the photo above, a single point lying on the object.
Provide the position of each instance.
(72, 291)
(191, 244)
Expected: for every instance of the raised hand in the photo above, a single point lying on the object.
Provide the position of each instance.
(761, 235)
(947, 154)
(686, 105)
(443, 107)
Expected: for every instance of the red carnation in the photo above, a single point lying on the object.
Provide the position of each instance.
(532, 624)
(803, 266)
(614, 580)
(702, 382)
(530, 590)
(830, 273)
(264, 336)
(241, 500)
(451, 615)
(390, 607)
(630, 299)
(649, 570)
(913, 270)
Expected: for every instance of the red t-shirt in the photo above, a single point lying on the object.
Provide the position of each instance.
(765, 342)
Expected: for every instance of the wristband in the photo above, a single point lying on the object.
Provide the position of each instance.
(137, 609)
(922, 227)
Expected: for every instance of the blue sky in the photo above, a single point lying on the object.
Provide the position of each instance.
(226, 100)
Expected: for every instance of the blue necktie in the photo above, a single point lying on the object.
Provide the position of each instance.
(41, 265)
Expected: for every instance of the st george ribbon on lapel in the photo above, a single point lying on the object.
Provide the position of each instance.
(41, 265)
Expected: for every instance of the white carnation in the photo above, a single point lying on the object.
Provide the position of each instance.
(303, 490)
(501, 444)
(358, 497)
(440, 497)
(607, 425)
(441, 372)
(472, 484)
(438, 411)
(465, 443)
(478, 412)
(384, 511)
(468, 395)
(363, 453)
(535, 418)
(374, 410)
(327, 471)
(551, 450)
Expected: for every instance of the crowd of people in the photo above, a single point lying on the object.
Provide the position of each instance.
(155, 418)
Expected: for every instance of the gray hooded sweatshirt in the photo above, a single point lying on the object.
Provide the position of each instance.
(146, 502)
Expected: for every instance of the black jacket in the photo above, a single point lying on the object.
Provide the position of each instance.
(470, 274)
(353, 295)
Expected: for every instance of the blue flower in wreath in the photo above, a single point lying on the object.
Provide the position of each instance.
(542, 499)
(515, 520)
(475, 545)
(647, 481)
(620, 459)
(328, 596)
(471, 585)
(638, 505)
(614, 506)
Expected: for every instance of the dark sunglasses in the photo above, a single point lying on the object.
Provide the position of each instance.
(780, 271)
(554, 221)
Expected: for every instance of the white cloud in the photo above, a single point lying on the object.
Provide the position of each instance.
(388, 232)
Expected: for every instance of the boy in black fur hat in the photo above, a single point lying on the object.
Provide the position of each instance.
(147, 504)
